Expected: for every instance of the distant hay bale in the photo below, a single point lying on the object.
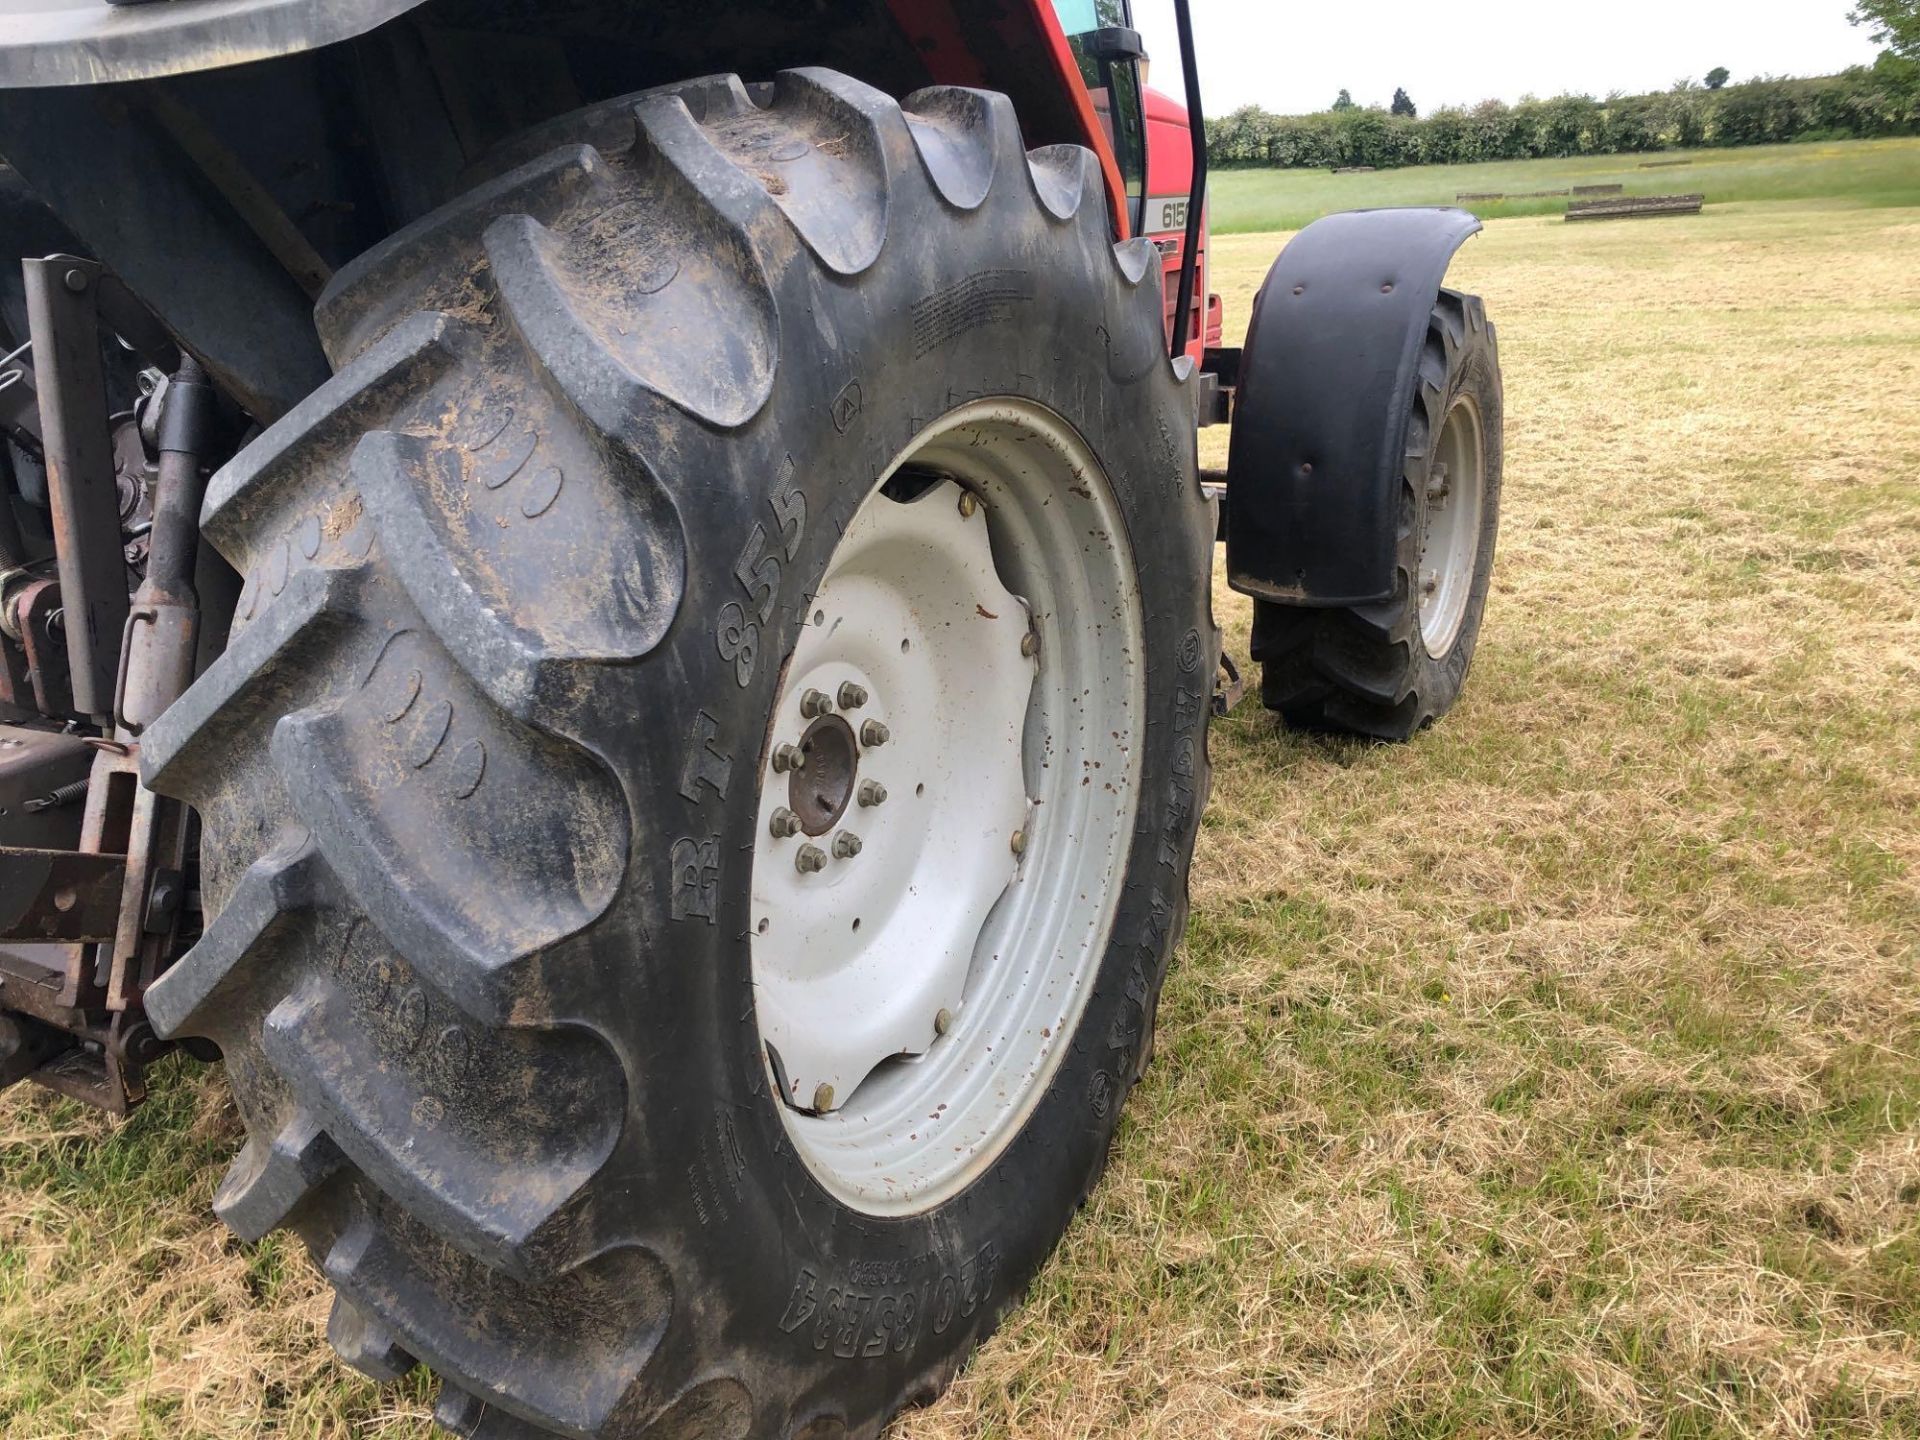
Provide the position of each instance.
(1598, 189)
(1627, 207)
(1466, 195)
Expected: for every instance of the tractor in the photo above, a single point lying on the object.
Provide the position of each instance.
(609, 601)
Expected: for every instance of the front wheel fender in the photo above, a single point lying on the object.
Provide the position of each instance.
(1326, 387)
(94, 42)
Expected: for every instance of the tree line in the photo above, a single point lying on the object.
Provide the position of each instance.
(1868, 100)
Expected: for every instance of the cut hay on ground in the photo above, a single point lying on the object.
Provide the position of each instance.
(1557, 1075)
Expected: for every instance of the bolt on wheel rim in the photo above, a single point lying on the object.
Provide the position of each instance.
(1455, 493)
(930, 904)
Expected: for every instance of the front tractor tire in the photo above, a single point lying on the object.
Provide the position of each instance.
(1388, 670)
(698, 797)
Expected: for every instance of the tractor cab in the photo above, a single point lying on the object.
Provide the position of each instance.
(1152, 145)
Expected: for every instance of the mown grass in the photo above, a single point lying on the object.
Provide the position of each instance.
(1557, 1075)
(1862, 172)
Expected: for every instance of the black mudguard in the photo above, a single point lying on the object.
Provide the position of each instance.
(92, 42)
(1326, 388)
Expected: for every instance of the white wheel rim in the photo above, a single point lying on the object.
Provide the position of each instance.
(1456, 491)
(993, 622)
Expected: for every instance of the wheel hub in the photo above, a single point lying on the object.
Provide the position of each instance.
(1450, 541)
(818, 792)
(859, 953)
(946, 805)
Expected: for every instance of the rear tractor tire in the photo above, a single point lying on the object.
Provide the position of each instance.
(1389, 669)
(698, 798)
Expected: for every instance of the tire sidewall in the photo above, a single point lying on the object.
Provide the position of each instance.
(1473, 370)
(860, 1309)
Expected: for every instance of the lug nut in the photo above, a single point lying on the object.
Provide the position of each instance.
(852, 696)
(1429, 582)
(872, 732)
(943, 1022)
(810, 860)
(968, 504)
(822, 1098)
(846, 845)
(814, 704)
(872, 792)
(1030, 644)
(788, 757)
(1019, 842)
(784, 824)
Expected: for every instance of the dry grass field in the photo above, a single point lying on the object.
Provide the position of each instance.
(1858, 172)
(1557, 1075)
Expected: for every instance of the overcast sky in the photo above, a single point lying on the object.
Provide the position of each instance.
(1295, 55)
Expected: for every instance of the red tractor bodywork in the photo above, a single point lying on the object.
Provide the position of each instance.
(1017, 47)
(1169, 183)
(1021, 49)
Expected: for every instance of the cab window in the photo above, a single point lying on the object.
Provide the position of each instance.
(1113, 84)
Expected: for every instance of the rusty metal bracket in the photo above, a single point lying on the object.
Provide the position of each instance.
(59, 895)
(143, 934)
(26, 1045)
(163, 625)
(1229, 686)
(251, 200)
(40, 623)
(86, 930)
(101, 1063)
(82, 490)
(107, 1069)
(43, 775)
